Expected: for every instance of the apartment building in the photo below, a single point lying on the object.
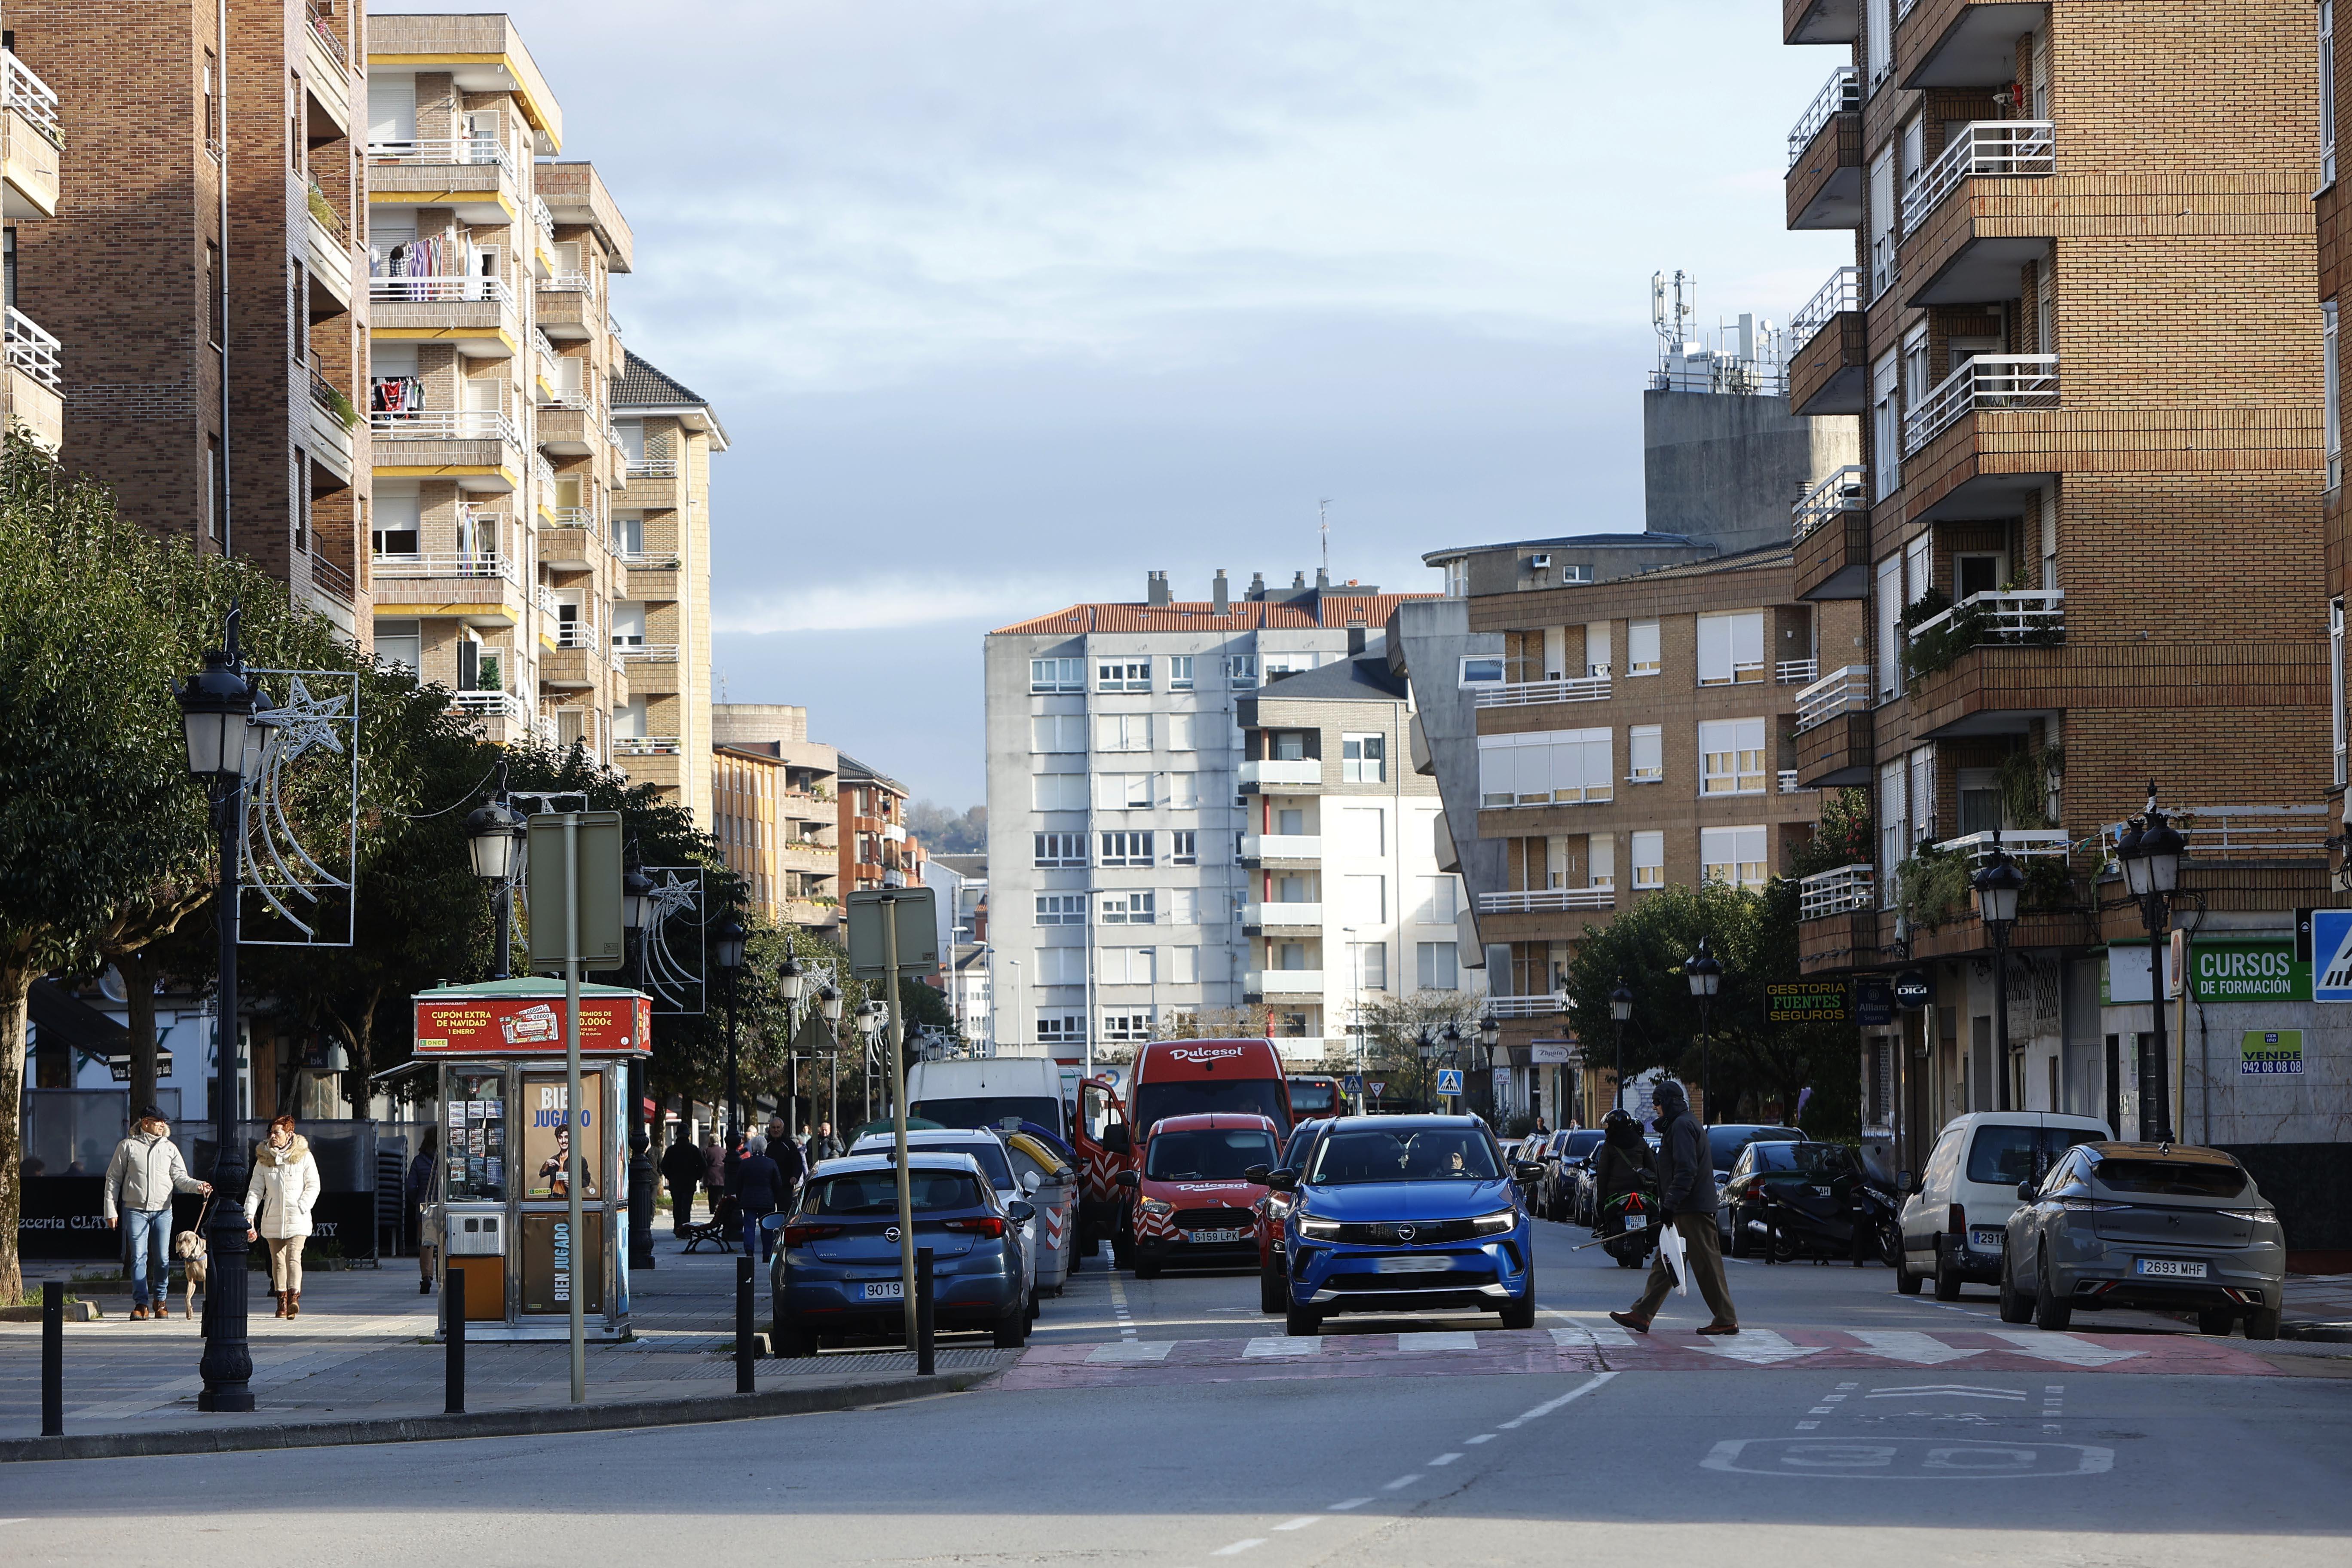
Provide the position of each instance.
(185, 196)
(2081, 333)
(661, 624)
(874, 848)
(960, 883)
(1115, 755)
(774, 812)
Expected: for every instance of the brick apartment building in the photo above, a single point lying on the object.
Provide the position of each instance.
(31, 136)
(202, 269)
(2086, 529)
(776, 813)
(874, 846)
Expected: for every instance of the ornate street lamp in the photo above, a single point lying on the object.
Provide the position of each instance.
(727, 952)
(1704, 973)
(1620, 1008)
(636, 899)
(2150, 853)
(1996, 887)
(494, 838)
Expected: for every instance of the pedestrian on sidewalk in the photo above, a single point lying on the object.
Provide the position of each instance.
(758, 1188)
(714, 1167)
(787, 1156)
(1686, 1200)
(682, 1166)
(823, 1146)
(146, 1170)
(421, 1172)
(277, 1205)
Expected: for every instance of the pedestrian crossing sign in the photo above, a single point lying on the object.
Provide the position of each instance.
(1449, 1080)
(2331, 954)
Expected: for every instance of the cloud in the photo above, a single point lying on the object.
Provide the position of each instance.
(883, 604)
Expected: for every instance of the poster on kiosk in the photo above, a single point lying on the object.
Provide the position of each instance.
(511, 1150)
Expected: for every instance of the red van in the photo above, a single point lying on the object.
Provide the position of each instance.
(1190, 1199)
(1169, 1077)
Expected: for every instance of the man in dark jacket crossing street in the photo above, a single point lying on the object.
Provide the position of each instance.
(759, 1190)
(1686, 1200)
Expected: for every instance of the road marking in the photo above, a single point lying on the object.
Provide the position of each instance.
(1758, 1347)
(1443, 1339)
(1905, 1459)
(1119, 1304)
(1481, 1437)
(1238, 1547)
(2063, 1347)
(1352, 1502)
(1127, 1352)
(1590, 1336)
(2053, 1405)
(1301, 1522)
(1549, 1405)
(1948, 1390)
(1401, 1482)
(1909, 1344)
(1443, 1459)
(1277, 1344)
(1807, 1425)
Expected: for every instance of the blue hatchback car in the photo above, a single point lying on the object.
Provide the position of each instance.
(1403, 1213)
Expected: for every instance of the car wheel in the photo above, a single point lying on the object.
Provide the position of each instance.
(1520, 1314)
(1947, 1275)
(2051, 1311)
(1033, 1309)
(2014, 1307)
(1906, 1281)
(1012, 1330)
(1740, 1246)
(2216, 1320)
(2263, 1323)
(1299, 1323)
(793, 1343)
(1078, 1255)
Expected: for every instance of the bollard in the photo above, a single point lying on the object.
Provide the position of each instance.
(742, 1325)
(53, 1359)
(452, 1320)
(924, 1359)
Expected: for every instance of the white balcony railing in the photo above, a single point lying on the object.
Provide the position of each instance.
(1841, 292)
(1527, 693)
(1282, 847)
(32, 351)
(544, 597)
(1840, 491)
(1525, 1006)
(649, 560)
(1282, 914)
(446, 564)
(2243, 831)
(579, 635)
(492, 705)
(645, 653)
(2018, 843)
(1841, 94)
(1283, 982)
(464, 150)
(653, 468)
(645, 745)
(543, 220)
(2016, 616)
(1849, 889)
(575, 517)
(447, 425)
(31, 97)
(1986, 382)
(448, 289)
(1276, 773)
(1993, 147)
(1789, 784)
(544, 472)
(1796, 671)
(1539, 900)
(1846, 691)
(564, 283)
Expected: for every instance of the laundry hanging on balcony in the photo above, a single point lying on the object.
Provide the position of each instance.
(449, 254)
(399, 396)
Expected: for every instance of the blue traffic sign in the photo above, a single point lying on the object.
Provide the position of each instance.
(1352, 1084)
(2331, 955)
(1449, 1080)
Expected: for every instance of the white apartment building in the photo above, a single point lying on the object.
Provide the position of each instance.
(1132, 838)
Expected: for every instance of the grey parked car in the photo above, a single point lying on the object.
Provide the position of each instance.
(2155, 1226)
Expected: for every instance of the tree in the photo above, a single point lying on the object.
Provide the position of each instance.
(946, 832)
(1393, 1029)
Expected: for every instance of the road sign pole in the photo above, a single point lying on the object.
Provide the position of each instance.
(573, 1247)
(898, 1111)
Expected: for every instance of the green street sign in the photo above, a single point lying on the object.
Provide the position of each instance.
(1807, 1002)
(2262, 969)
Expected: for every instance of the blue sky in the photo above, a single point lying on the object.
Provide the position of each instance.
(1005, 302)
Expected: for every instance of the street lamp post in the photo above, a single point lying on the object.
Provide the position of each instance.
(727, 952)
(1997, 888)
(636, 909)
(1451, 1041)
(1490, 1031)
(493, 841)
(217, 708)
(791, 983)
(1704, 973)
(1426, 1050)
(2151, 853)
(1620, 1008)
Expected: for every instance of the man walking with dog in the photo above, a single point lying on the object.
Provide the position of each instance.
(140, 1179)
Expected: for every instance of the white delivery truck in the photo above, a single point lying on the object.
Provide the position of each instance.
(985, 1091)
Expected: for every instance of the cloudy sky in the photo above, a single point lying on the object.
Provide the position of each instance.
(1005, 302)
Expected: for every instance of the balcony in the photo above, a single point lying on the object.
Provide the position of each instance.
(36, 390)
(2017, 843)
(1526, 1006)
(567, 306)
(542, 239)
(32, 139)
(1260, 849)
(1992, 663)
(1962, 43)
(1970, 250)
(574, 666)
(1281, 916)
(327, 252)
(327, 64)
(1281, 777)
(1830, 528)
(1821, 21)
(473, 315)
(645, 745)
(1825, 175)
(1796, 671)
(480, 448)
(333, 420)
(651, 484)
(1829, 365)
(473, 175)
(1845, 890)
(1838, 921)
(666, 653)
(1835, 738)
(2015, 617)
(1529, 693)
(1282, 983)
(1545, 900)
(504, 705)
(1840, 692)
(1986, 382)
(481, 588)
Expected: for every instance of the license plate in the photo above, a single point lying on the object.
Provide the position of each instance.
(1411, 1264)
(1214, 1235)
(1985, 1240)
(2168, 1268)
(885, 1290)
(1637, 1222)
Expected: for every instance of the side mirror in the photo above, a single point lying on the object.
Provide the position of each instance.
(1255, 1174)
(1129, 1179)
(1529, 1170)
(1285, 1181)
(1021, 1212)
(1114, 1138)
(1908, 1183)
(2025, 1190)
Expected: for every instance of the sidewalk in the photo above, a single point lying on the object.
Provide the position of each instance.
(2319, 1306)
(362, 1351)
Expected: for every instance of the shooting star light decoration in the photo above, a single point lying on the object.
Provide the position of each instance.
(289, 895)
(671, 946)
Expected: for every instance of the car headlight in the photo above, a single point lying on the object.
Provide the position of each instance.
(1318, 1227)
(1155, 1207)
(2256, 1216)
(1495, 1224)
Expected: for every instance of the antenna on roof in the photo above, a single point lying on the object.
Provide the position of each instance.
(1323, 526)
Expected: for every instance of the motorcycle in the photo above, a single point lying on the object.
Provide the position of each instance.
(1624, 1224)
(1823, 1220)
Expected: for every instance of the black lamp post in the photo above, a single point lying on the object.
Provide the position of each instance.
(791, 985)
(1997, 888)
(1490, 1031)
(637, 909)
(727, 952)
(217, 708)
(494, 840)
(1450, 1039)
(1426, 1050)
(1620, 1008)
(2150, 853)
(1704, 973)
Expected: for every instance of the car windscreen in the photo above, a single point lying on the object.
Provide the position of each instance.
(2004, 1154)
(2169, 1178)
(1155, 1102)
(1313, 1098)
(1294, 1150)
(1404, 1155)
(1807, 1159)
(1724, 1143)
(1207, 1154)
(988, 1110)
(1580, 1142)
(876, 1192)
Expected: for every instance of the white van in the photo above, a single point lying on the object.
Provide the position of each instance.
(1956, 1210)
(985, 1092)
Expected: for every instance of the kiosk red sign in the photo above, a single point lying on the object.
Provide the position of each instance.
(613, 1023)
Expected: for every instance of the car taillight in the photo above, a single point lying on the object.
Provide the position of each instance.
(987, 1224)
(801, 1235)
(1956, 1221)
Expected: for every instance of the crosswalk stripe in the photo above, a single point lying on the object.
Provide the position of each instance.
(1584, 1336)
(1131, 1350)
(1758, 1347)
(2063, 1348)
(1278, 1345)
(1441, 1339)
(1909, 1344)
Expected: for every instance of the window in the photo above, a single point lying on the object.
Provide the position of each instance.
(1650, 859)
(1127, 908)
(1734, 855)
(1183, 732)
(1126, 1026)
(1058, 732)
(2327, 94)
(1057, 675)
(217, 486)
(1060, 1030)
(1184, 907)
(1184, 792)
(2334, 672)
(1894, 828)
(1122, 732)
(1061, 909)
(1285, 745)
(1546, 767)
(1601, 861)
(1458, 578)
(1363, 830)
(1184, 965)
(1184, 847)
(1886, 425)
(1364, 900)
(1881, 222)
(1731, 648)
(1287, 663)
(1642, 647)
(1434, 967)
(1369, 962)
(2331, 381)
(1923, 796)
(1889, 595)
(400, 644)
(1364, 759)
(1127, 966)
(1435, 905)
(1180, 672)
(1878, 36)
(1061, 849)
(1240, 671)
(1061, 966)
(215, 305)
(212, 107)
(1577, 573)
(1123, 675)
(1126, 850)
(1122, 792)
(1731, 756)
(1057, 791)
(1645, 753)
(1977, 792)
(1482, 669)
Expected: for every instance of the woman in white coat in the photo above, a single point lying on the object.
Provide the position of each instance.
(277, 1207)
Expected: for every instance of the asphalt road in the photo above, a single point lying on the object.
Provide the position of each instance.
(1754, 1464)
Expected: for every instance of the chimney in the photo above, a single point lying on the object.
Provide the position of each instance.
(1257, 586)
(1297, 581)
(1355, 640)
(1322, 578)
(1155, 590)
(1217, 600)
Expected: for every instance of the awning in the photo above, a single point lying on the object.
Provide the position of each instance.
(60, 1016)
